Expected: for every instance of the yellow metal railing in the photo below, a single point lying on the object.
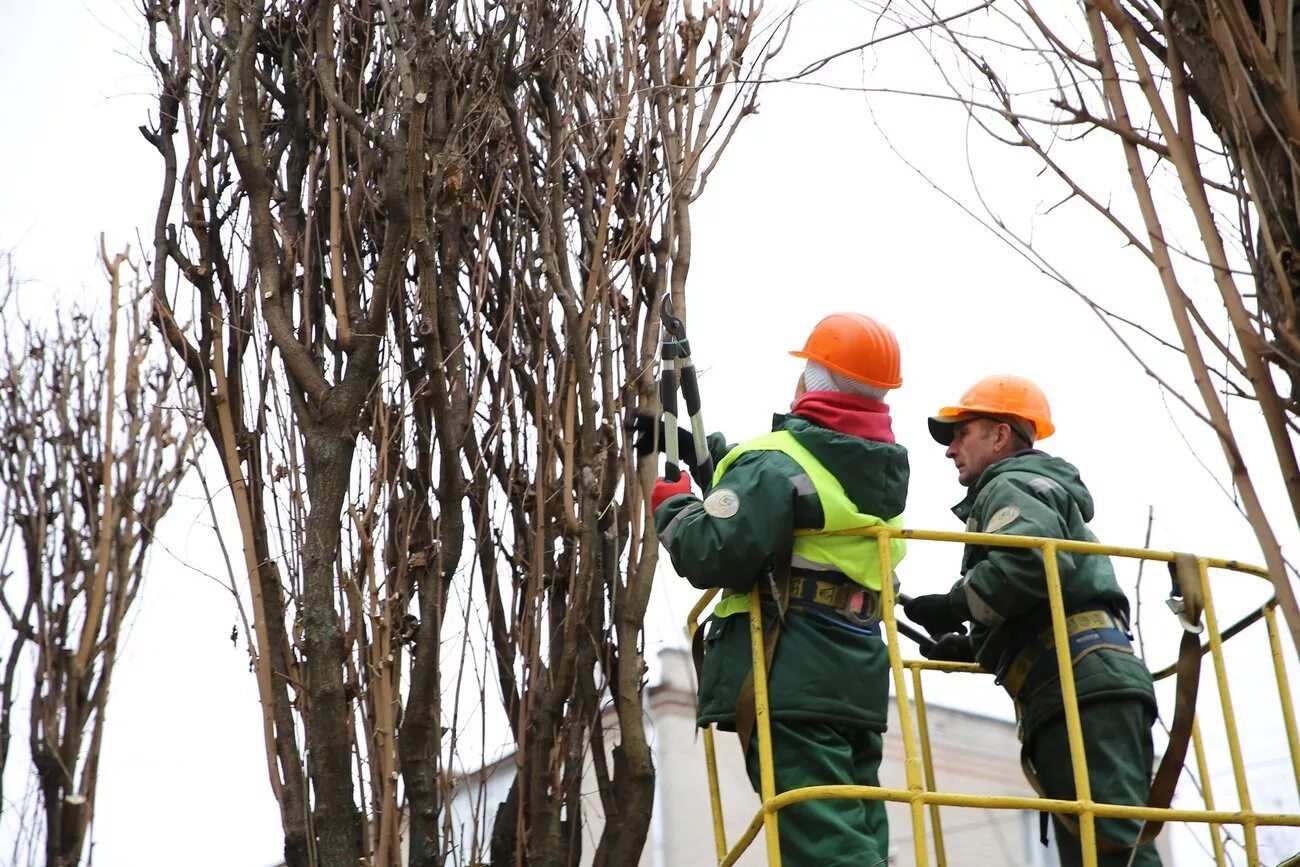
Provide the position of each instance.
(922, 792)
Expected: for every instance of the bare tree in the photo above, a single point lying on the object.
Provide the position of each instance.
(94, 448)
(411, 255)
(1200, 97)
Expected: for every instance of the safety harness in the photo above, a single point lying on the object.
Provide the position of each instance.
(1089, 629)
(837, 593)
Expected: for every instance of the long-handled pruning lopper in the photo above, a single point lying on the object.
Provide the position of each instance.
(675, 353)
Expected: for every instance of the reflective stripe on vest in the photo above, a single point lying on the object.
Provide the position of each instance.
(855, 556)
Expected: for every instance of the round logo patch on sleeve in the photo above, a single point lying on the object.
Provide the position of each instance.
(1001, 518)
(722, 503)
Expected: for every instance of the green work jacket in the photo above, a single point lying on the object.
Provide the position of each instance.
(825, 668)
(1003, 591)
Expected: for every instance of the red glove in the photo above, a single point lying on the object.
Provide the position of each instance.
(664, 489)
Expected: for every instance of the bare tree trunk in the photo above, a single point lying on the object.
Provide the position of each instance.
(335, 819)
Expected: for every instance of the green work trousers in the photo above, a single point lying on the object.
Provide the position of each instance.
(826, 833)
(1117, 743)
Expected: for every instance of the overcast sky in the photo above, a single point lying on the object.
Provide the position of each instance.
(810, 212)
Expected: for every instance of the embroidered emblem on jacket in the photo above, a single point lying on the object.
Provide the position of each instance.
(1001, 518)
(722, 503)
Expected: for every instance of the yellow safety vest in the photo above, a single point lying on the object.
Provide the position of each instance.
(854, 556)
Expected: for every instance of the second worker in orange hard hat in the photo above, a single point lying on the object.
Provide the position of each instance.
(1014, 488)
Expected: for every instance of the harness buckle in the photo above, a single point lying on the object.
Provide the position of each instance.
(776, 595)
(862, 608)
(1179, 606)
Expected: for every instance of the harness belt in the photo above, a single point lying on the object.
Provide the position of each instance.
(1034, 665)
(832, 591)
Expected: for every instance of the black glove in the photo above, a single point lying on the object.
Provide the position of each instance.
(647, 432)
(950, 647)
(934, 614)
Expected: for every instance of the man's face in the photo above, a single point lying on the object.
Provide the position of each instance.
(975, 445)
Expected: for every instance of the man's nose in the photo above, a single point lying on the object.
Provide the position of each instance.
(952, 451)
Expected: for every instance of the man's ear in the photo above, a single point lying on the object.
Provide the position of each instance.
(1007, 439)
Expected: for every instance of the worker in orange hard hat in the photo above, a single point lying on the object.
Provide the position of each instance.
(830, 464)
(1013, 488)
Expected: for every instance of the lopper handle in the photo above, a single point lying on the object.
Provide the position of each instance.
(668, 401)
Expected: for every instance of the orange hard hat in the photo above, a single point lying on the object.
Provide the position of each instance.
(1000, 395)
(856, 346)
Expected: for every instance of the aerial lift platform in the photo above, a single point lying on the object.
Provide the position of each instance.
(1192, 601)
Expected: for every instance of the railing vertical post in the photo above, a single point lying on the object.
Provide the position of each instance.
(911, 757)
(923, 726)
(763, 724)
(1283, 690)
(1229, 718)
(1207, 791)
(1070, 698)
(710, 749)
(715, 795)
